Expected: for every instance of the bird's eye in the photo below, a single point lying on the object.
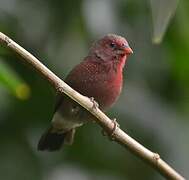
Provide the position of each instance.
(124, 45)
(112, 45)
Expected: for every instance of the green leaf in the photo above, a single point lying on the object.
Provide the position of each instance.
(11, 81)
(162, 13)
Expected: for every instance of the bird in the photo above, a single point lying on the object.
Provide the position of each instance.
(100, 77)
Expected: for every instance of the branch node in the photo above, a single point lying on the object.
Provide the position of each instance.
(116, 125)
(59, 89)
(7, 40)
(156, 157)
(95, 105)
(111, 132)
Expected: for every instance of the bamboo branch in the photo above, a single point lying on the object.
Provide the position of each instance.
(106, 123)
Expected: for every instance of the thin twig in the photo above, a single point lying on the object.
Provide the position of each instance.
(106, 123)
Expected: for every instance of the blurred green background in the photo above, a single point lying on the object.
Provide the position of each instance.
(153, 107)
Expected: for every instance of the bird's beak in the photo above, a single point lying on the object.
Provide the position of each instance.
(127, 49)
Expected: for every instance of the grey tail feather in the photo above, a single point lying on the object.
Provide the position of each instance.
(52, 140)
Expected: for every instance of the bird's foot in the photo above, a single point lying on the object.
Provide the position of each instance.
(95, 104)
(111, 132)
(116, 125)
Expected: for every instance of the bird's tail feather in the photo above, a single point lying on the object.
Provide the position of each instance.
(69, 137)
(53, 141)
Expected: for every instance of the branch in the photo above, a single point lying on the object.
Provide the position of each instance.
(105, 122)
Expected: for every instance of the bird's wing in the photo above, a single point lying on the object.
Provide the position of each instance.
(74, 79)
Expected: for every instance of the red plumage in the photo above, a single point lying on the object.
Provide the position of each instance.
(98, 76)
(96, 80)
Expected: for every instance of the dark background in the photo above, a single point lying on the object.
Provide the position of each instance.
(153, 107)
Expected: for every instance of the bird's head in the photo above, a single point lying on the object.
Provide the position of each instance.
(111, 47)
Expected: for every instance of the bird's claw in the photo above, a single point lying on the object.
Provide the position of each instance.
(111, 133)
(95, 104)
(116, 125)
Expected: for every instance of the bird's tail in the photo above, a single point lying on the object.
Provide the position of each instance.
(53, 140)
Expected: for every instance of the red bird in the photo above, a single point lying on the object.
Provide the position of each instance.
(99, 76)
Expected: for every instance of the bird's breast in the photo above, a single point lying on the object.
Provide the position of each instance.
(103, 82)
(107, 90)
